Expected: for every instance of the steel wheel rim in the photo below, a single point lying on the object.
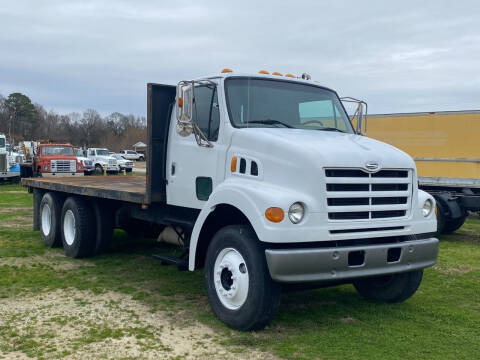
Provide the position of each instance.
(69, 227)
(46, 219)
(231, 279)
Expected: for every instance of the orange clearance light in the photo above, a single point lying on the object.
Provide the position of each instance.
(265, 72)
(290, 75)
(180, 102)
(436, 210)
(226, 70)
(274, 214)
(233, 164)
(276, 73)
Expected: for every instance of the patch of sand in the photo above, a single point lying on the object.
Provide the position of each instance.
(71, 321)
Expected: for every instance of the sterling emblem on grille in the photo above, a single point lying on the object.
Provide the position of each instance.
(371, 166)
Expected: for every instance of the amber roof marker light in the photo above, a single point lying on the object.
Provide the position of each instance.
(226, 70)
(264, 72)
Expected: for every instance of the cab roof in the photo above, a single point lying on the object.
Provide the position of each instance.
(295, 79)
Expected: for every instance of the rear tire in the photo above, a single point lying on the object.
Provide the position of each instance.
(77, 227)
(98, 169)
(240, 290)
(393, 288)
(50, 213)
(454, 224)
(103, 228)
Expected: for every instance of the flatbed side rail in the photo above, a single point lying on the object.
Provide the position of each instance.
(129, 189)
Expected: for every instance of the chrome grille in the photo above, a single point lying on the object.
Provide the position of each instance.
(354, 194)
(63, 166)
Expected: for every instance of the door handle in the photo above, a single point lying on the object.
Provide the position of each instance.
(172, 169)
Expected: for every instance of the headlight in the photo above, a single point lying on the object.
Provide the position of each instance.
(296, 212)
(427, 207)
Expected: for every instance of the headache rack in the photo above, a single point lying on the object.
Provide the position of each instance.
(354, 194)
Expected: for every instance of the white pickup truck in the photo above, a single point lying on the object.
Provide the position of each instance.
(266, 183)
(132, 155)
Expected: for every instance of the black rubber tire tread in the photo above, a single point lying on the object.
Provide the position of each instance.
(454, 224)
(98, 169)
(103, 227)
(84, 227)
(54, 238)
(398, 288)
(263, 299)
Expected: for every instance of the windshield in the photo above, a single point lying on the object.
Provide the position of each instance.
(102, 152)
(118, 157)
(2, 142)
(57, 150)
(271, 103)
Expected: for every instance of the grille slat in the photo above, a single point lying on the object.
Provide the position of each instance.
(354, 194)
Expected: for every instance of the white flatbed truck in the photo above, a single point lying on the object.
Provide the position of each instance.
(266, 183)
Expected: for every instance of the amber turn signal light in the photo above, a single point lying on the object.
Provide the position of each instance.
(274, 214)
(233, 164)
(180, 102)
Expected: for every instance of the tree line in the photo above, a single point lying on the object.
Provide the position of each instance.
(20, 119)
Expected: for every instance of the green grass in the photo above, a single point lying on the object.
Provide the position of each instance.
(441, 321)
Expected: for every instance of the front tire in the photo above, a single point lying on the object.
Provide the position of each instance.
(50, 212)
(393, 288)
(98, 169)
(453, 225)
(240, 290)
(77, 227)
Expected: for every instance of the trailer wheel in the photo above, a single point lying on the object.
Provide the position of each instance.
(50, 212)
(239, 287)
(452, 225)
(393, 288)
(103, 228)
(77, 227)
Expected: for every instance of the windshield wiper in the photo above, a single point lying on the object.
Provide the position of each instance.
(330, 129)
(270, 122)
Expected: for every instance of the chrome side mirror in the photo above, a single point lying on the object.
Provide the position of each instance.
(184, 107)
(360, 115)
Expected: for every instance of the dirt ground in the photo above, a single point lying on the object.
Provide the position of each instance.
(74, 324)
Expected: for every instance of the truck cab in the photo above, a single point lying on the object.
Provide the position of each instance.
(58, 160)
(323, 202)
(9, 168)
(102, 160)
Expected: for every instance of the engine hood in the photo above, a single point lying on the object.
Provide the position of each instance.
(321, 148)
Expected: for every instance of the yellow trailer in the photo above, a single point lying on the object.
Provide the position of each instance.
(446, 149)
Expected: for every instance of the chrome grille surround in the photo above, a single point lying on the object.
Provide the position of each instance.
(63, 166)
(357, 195)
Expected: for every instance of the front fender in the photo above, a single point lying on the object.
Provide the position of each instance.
(252, 198)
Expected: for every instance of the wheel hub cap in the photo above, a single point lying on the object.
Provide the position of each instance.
(46, 219)
(69, 227)
(231, 278)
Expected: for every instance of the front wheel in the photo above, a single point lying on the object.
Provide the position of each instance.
(393, 288)
(239, 287)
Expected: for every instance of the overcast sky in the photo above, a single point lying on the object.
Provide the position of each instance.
(400, 56)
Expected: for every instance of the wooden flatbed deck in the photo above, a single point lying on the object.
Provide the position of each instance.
(124, 188)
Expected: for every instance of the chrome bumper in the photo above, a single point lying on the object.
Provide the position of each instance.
(344, 263)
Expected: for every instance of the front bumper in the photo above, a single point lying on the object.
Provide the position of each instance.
(8, 174)
(110, 167)
(62, 174)
(344, 263)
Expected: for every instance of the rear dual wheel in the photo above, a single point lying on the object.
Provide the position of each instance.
(77, 227)
(49, 213)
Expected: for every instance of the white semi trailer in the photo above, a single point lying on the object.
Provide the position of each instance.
(266, 183)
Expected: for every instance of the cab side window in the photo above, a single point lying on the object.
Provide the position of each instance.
(91, 152)
(205, 111)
